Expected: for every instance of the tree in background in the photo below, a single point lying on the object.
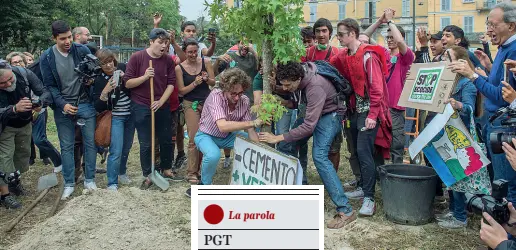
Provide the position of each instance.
(273, 25)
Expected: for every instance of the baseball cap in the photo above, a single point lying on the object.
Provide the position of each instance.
(437, 36)
(157, 32)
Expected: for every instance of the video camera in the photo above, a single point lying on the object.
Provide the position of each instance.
(496, 138)
(89, 67)
(493, 204)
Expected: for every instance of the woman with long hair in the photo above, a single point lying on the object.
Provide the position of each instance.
(194, 76)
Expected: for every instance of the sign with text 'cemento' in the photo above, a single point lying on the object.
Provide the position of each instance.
(256, 164)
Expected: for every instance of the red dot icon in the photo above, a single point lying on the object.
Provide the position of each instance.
(213, 214)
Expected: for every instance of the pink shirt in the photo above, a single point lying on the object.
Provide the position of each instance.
(216, 108)
(399, 75)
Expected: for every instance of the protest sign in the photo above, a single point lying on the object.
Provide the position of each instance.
(453, 153)
(427, 87)
(256, 164)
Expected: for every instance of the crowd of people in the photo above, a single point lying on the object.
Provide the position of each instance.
(213, 100)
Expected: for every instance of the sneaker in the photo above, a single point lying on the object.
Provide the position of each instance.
(355, 195)
(46, 161)
(350, 185)
(10, 202)
(340, 220)
(189, 192)
(58, 169)
(452, 223)
(112, 188)
(180, 161)
(444, 216)
(67, 192)
(368, 207)
(124, 179)
(90, 185)
(227, 162)
(17, 189)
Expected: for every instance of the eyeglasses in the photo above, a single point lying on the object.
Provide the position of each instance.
(16, 62)
(491, 25)
(236, 94)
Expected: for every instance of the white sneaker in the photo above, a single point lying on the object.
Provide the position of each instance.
(90, 186)
(67, 192)
(368, 207)
(124, 179)
(58, 169)
(355, 195)
(112, 188)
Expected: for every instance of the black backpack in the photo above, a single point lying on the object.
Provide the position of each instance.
(341, 84)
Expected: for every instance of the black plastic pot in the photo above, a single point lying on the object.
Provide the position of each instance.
(408, 193)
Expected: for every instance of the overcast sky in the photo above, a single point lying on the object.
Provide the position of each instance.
(192, 9)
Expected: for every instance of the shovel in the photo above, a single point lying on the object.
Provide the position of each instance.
(155, 177)
(47, 181)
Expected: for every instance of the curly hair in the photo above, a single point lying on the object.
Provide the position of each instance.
(10, 56)
(233, 76)
(188, 42)
(292, 71)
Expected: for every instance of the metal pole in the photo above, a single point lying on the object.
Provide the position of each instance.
(414, 24)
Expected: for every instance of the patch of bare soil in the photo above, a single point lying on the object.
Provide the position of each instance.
(129, 219)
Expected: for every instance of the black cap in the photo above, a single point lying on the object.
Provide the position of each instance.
(157, 32)
(437, 36)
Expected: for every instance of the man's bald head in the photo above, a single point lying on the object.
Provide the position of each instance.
(81, 35)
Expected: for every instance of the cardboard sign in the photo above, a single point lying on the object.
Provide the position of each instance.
(427, 87)
(256, 164)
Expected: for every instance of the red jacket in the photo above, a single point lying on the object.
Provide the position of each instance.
(369, 77)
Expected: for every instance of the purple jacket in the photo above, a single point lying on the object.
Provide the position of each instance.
(318, 93)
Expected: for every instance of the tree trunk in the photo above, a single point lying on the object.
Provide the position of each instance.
(267, 58)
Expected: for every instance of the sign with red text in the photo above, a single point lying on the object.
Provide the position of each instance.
(256, 164)
(257, 217)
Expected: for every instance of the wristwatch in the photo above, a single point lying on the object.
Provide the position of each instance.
(474, 77)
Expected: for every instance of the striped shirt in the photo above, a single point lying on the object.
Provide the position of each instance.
(123, 105)
(216, 108)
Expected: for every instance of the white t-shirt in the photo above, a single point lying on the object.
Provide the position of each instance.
(201, 47)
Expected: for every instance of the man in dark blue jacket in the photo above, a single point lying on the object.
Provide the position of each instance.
(72, 104)
(501, 26)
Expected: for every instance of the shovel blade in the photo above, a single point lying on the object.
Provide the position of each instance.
(47, 181)
(159, 180)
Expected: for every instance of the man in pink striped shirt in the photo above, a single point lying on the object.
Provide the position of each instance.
(227, 112)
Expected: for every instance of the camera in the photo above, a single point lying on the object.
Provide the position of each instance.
(497, 137)
(493, 204)
(36, 103)
(89, 67)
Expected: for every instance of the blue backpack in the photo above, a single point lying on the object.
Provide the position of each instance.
(341, 84)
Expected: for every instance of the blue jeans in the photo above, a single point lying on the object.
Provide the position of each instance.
(39, 135)
(458, 205)
(409, 124)
(66, 132)
(122, 134)
(327, 128)
(282, 127)
(501, 166)
(210, 146)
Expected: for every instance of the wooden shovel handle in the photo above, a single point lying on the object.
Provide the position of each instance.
(153, 145)
(27, 210)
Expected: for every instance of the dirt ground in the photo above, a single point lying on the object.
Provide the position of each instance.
(151, 219)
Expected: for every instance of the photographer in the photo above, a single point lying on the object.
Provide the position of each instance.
(72, 104)
(495, 235)
(16, 85)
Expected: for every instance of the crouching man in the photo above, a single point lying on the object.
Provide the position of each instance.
(323, 119)
(16, 85)
(228, 113)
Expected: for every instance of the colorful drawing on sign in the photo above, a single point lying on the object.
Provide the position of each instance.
(453, 153)
(425, 86)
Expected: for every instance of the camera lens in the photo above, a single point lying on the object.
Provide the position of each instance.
(497, 138)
